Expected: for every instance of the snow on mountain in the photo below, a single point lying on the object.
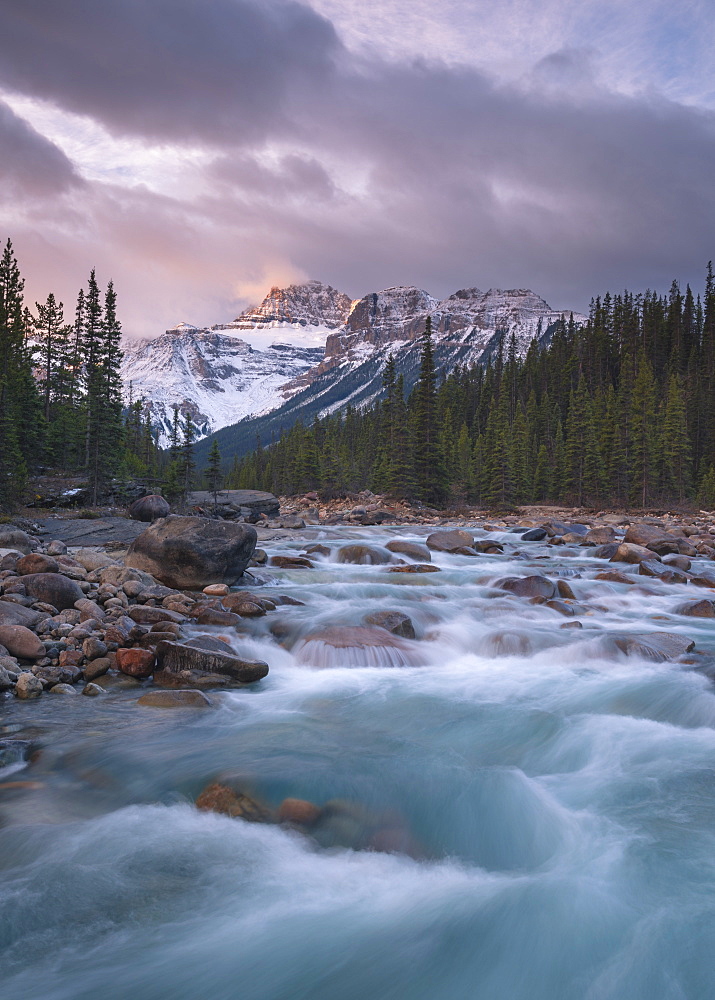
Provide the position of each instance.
(314, 343)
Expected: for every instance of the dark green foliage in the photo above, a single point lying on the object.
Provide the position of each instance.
(620, 411)
(214, 473)
(60, 390)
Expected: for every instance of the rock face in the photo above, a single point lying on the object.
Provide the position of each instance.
(192, 552)
(149, 508)
(54, 589)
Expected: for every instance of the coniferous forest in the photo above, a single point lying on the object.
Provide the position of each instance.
(620, 411)
(60, 390)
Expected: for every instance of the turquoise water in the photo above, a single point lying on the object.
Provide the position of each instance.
(556, 809)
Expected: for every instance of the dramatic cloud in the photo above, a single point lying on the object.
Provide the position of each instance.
(225, 145)
(30, 165)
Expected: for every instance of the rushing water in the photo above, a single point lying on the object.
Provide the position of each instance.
(553, 804)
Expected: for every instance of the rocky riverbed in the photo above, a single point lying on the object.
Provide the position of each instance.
(397, 754)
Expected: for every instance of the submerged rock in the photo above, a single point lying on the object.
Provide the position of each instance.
(175, 699)
(224, 800)
(355, 646)
(655, 646)
(363, 555)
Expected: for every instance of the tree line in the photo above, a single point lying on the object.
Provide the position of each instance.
(618, 411)
(61, 403)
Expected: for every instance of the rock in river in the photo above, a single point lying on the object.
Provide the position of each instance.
(355, 646)
(363, 555)
(175, 699)
(450, 541)
(173, 658)
(193, 552)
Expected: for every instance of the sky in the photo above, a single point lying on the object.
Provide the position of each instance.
(198, 152)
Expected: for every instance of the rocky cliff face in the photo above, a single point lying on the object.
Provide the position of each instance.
(314, 343)
(311, 304)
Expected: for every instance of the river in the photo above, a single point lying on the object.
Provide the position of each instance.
(549, 807)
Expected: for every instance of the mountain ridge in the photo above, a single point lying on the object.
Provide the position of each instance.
(312, 344)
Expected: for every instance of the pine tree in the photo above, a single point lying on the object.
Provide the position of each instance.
(187, 464)
(214, 473)
(428, 461)
(675, 477)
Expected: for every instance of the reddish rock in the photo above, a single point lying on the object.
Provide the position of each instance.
(217, 590)
(298, 811)
(136, 662)
(71, 657)
(291, 562)
(175, 699)
(36, 562)
(221, 799)
(355, 646)
(646, 534)
(363, 555)
(696, 609)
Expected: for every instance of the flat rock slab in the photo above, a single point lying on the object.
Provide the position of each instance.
(175, 699)
(86, 532)
(254, 500)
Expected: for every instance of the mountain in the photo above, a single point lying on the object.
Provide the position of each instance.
(309, 349)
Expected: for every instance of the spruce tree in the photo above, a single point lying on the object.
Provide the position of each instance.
(214, 473)
(428, 462)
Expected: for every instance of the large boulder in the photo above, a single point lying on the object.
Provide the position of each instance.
(193, 552)
(53, 588)
(149, 508)
(631, 552)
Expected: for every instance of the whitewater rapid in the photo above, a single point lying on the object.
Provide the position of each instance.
(558, 803)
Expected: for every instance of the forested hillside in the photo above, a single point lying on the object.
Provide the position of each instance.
(620, 410)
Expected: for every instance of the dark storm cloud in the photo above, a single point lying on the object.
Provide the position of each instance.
(211, 70)
(30, 165)
(367, 173)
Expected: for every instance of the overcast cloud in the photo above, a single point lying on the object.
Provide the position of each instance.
(198, 151)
